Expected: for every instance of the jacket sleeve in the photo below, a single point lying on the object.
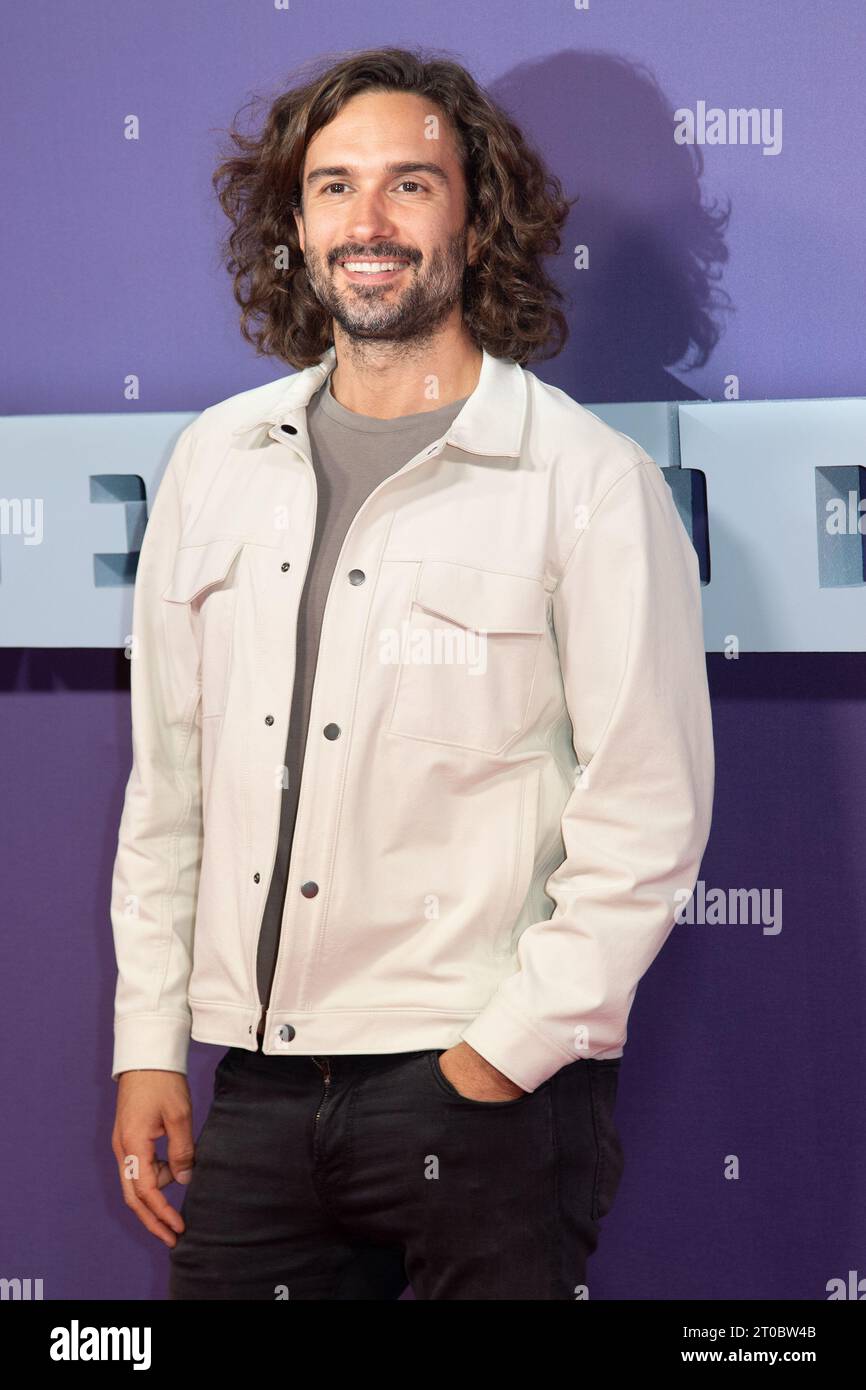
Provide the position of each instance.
(156, 869)
(628, 624)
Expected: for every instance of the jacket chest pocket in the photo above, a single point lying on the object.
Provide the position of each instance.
(204, 578)
(468, 656)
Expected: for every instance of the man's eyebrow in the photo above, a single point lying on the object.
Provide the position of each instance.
(405, 166)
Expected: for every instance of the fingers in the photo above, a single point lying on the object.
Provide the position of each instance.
(181, 1149)
(165, 1230)
(142, 1176)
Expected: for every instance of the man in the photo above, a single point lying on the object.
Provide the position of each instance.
(468, 612)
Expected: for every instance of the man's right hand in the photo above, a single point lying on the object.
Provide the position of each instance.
(150, 1104)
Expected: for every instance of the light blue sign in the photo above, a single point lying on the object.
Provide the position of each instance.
(773, 494)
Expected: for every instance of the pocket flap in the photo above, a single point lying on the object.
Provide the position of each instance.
(482, 599)
(197, 567)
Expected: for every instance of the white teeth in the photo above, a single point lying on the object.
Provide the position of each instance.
(367, 269)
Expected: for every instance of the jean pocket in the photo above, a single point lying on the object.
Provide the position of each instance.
(610, 1159)
(451, 1091)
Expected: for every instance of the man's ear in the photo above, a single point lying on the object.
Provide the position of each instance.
(299, 223)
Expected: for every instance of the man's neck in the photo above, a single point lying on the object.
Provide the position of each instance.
(387, 380)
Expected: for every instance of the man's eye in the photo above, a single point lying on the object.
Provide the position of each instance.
(412, 183)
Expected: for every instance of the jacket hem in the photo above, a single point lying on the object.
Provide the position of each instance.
(330, 1031)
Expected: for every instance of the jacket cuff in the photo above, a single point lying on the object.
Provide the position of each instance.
(514, 1046)
(150, 1042)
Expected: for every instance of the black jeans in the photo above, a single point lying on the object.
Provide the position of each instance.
(347, 1177)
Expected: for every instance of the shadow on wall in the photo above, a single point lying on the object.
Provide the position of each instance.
(649, 298)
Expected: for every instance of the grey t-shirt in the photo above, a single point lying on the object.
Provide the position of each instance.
(351, 455)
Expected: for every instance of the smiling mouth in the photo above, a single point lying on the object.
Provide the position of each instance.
(372, 272)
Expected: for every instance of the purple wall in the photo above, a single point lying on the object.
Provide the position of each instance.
(740, 1043)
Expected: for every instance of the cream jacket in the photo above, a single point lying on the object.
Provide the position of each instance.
(508, 776)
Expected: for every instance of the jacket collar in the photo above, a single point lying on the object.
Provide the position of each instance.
(490, 423)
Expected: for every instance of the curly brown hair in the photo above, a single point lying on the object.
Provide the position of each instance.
(516, 204)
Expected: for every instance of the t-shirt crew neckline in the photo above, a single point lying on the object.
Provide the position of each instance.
(369, 424)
